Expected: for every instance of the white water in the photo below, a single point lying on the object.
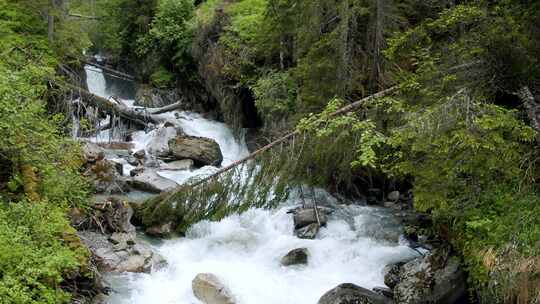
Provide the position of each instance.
(192, 124)
(244, 251)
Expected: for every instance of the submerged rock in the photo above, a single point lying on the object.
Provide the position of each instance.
(210, 290)
(204, 151)
(352, 294)
(295, 257)
(434, 278)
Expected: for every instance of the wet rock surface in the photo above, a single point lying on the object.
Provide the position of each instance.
(204, 151)
(121, 252)
(433, 278)
(111, 238)
(352, 294)
(148, 180)
(297, 256)
(210, 290)
(102, 173)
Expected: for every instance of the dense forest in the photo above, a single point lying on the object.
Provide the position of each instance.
(458, 129)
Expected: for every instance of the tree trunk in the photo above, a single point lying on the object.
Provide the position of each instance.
(50, 24)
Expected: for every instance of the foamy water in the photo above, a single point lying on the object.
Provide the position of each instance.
(244, 251)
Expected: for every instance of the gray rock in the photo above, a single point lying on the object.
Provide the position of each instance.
(204, 151)
(434, 278)
(151, 97)
(393, 196)
(92, 152)
(163, 230)
(184, 164)
(384, 291)
(295, 257)
(304, 217)
(136, 171)
(121, 252)
(159, 144)
(140, 154)
(352, 294)
(308, 232)
(150, 181)
(209, 290)
(133, 161)
(391, 274)
(105, 177)
(115, 216)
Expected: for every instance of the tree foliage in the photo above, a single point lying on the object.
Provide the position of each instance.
(39, 178)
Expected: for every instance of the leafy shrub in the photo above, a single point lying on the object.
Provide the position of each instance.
(34, 260)
(162, 78)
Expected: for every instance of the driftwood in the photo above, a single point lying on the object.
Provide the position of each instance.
(344, 110)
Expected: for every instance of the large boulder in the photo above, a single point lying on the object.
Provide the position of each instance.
(434, 278)
(352, 294)
(297, 256)
(204, 151)
(208, 289)
(391, 274)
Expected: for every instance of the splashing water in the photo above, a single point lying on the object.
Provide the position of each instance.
(244, 251)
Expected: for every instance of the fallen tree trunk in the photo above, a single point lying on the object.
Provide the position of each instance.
(111, 107)
(110, 71)
(167, 108)
(346, 109)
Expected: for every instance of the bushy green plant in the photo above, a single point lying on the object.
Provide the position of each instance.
(275, 95)
(162, 78)
(39, 251)
(34, 260)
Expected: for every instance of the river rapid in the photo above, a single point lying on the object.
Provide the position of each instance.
(244, 250)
